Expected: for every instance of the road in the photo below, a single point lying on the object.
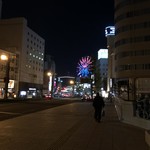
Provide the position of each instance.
(13, 108)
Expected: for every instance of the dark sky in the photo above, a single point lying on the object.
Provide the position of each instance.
(71, 29)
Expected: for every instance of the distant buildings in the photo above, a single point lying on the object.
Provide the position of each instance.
(28, 47)
(65, 86)
(49, 67)
(102, 67)
(103, 58)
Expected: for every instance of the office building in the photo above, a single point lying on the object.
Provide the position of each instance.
(102, 65)
(110, 36)
(132, 57)
(132, 45)
(16, 37)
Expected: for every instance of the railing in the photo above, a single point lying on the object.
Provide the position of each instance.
(118, 107)
(142, 108)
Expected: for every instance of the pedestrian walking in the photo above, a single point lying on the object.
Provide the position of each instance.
(98, 104)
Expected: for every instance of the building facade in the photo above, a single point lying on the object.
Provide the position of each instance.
(49, 82)
(110, 35)
(102, 65)
(8, 71)
(132, 47)
(132, 60)
(16, 37)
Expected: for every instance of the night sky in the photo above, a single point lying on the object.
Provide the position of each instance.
(71, 29)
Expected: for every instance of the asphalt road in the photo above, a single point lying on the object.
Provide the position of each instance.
(11, 108)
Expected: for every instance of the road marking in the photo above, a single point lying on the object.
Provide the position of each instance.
(9, 113)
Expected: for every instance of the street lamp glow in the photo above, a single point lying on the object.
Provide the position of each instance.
(4, 57)
(49, 74)
(50, 82)
(71, 82)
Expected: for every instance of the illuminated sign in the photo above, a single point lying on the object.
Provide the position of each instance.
(110, 30)
(102, 53)
(11, 84)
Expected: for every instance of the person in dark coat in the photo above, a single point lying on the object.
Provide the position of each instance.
(98, 104)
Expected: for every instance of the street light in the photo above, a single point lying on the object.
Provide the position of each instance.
(6, 78)
(50, 82)
(4, 57)
(72, 83)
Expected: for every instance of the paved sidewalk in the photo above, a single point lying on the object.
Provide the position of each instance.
(70, 127)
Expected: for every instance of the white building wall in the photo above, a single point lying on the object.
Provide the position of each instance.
(33, 57)
(18, 38)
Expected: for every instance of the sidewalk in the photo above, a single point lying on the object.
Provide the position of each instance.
(70, 127)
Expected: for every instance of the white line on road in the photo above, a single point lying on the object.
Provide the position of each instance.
(10, 113)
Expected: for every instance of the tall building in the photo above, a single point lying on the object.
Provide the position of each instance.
(110, 35)
(49, 68)
(132, 45)
(132, 55)
(102, 65)
(18, 38)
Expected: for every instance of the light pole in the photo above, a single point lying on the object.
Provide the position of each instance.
(6, 78)
(72, 83)
(50, 82)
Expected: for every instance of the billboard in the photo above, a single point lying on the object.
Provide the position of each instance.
(110, 30)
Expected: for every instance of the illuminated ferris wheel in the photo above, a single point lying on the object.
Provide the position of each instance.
(84, 66)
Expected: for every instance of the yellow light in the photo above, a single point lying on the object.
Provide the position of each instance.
(50, 82)
(49, 74)
(4, 57)
(71, 82)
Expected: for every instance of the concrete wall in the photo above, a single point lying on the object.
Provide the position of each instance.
(125, 112)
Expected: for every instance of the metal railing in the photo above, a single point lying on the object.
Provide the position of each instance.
(142, 108)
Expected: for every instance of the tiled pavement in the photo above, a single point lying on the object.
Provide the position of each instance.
(70, 127)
